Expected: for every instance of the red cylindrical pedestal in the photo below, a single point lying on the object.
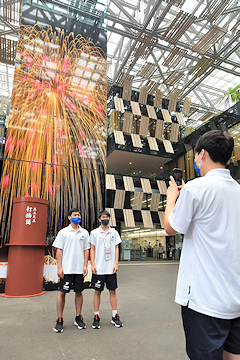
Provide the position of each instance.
(26, 247)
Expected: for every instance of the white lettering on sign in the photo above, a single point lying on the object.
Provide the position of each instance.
(31, 215)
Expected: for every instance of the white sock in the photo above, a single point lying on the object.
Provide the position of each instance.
(96, 313)
(114, 313)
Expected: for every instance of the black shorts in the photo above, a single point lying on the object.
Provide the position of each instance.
(98, 282)
(71, 281)
(207, 337)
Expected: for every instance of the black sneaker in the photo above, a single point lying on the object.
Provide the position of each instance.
(59, 326)
(96, 322)
(116, 321)
(79, 322)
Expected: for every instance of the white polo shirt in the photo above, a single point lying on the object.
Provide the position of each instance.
(208, 213)
(73, 243)
(102, 242)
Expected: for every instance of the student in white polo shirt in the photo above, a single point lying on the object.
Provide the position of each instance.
(207, 212)
(72, 244)
(104, 255)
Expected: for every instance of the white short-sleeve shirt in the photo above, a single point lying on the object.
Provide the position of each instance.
(208, 213)
(104, 242)
(73, 243)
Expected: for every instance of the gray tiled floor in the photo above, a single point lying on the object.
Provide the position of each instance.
(152, 323)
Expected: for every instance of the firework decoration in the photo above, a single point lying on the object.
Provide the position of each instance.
(56, 138)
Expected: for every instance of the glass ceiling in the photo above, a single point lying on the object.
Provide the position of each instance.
(214, 24)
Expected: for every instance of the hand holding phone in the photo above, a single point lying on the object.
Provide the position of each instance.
(177, 175)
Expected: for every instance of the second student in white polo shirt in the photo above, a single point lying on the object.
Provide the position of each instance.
(104, 255)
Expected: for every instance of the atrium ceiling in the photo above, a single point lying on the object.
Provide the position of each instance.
(186, 46)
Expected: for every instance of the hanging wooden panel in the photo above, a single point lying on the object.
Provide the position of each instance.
(159, 129)
(166, 115)
(143, 129)
(128, 183)
(168, 146)
(135, 108)
(136, 140)
(146, 185)
(210, 38)
(127, 122)
(161, 218)
(186, 106)
(162, 187)
(119, 199)
(137, 200)
(112, 221)
(180, 119)
(128, 218)
(110, 182)
(118, 103)
(152, 143)
(143, 95)
(151, 112)
(118, 137)
(127, 90)
(155, 202)
(174, 132)
(158, 99)
(147, 219)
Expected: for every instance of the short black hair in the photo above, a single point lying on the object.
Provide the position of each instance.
(73, 210)
(218, 144)
(103, 212)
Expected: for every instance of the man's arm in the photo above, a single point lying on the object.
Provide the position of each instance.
(92, 257)
(173, 192)
(86, 257)
(59, 253)
(115, 266)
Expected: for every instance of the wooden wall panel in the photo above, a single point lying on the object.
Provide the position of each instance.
(166, 115)
(143, 129)
(135, 108)
(137, 200)
(128, 183)
(110, 182)
(161, 218)
(162, 187)
(147, 219)
(146, 185)
(118, 104)
(152, 142)
(168, 146)
(158, 99)
(136, 140)
(112, 221)
(119, 199)
(118, 137)
(155, 202)
(159, 129)
(174, 132)
(151, 112)
(128, 218)
(127, 122)
(143, 95)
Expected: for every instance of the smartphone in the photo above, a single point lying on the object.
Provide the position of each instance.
(177, 175)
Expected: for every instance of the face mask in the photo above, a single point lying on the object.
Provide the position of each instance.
(76, 220)
(105, 222)
(197, 168)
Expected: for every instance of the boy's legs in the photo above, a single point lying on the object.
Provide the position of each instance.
(78, 303)
(113, 299)
(60, 303)
(96, 300)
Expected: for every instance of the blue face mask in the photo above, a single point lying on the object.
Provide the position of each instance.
(197, 169)
(76, 220)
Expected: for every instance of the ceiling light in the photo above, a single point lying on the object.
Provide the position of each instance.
(130, 163)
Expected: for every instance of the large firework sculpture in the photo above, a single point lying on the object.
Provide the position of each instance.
(56, 137)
